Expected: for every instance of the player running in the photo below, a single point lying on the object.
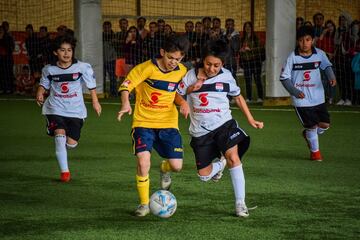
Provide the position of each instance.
(214, 133)
(301, 78)
(64, 109)
(155, 120)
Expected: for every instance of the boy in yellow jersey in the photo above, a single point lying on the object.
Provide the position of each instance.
(155, 120)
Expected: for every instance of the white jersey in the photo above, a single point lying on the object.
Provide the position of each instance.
(65, 85)
(304, 73)
(209, 106)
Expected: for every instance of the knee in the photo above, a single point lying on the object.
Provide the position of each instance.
(176, 165)
(176, 168)
(233, 161)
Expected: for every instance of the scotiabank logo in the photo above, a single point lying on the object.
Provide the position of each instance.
(154, 98)
(307, 75)
(203, 99)
(64, 87)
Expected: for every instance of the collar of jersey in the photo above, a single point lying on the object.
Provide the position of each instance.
(156, 64)
(73, 62)
(220, 72)
(313, 51)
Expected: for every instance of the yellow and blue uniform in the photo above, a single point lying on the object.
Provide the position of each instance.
(155, 120)
(155, 93)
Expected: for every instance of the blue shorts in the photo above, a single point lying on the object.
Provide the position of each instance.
(166, 141)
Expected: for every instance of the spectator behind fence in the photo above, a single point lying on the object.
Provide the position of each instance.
(326, 43)
(232, 38)
(190, 34)
(109, 56)
(45, 45)
(251, 57)
(150, 42)
(342, 60)
(133, 47)
(25, 82)
(140, 24)
(318, 20)
(33, 49)
(299, 22)
(120, 37)
(7, 46)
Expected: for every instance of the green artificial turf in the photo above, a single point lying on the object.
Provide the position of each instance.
(296, 198)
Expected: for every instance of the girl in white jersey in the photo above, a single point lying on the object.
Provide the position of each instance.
(64, 109)
(215, 134)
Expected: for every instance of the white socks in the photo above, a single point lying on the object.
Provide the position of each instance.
(312, 137)
(238, 182)
(61, 152)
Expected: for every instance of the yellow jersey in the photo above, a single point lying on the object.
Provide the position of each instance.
(155, 93)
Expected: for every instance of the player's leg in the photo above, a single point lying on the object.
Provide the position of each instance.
(142, 144)
(209, 162)
(324, 119)
(169, 146)
(309, 119)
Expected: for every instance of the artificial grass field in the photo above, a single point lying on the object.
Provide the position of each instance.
(296, 198)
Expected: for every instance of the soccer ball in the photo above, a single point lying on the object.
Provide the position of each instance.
(163, 204)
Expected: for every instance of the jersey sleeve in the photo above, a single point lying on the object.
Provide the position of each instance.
(45, 81)
(286, 69)
(234, 88)
(88, 76)
(136, 76)
(325, 63)
(184, 84)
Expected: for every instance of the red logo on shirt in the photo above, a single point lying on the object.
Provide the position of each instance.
(154, 98)
(307, 76)
(203, 99)
(64, 87)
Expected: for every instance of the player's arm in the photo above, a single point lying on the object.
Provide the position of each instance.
(95, 101)
(331, 76)
(291, 89)
(184, 106)
(125, 104)
(40, 95)
(201, 77)
(241, 103)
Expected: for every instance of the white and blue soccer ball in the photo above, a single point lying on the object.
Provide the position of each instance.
(163, 204)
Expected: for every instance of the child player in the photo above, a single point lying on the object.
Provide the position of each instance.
(155, 120)
(64, 109)
(301, 78)
(214, 132)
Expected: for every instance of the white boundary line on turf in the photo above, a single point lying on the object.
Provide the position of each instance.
(232, 108)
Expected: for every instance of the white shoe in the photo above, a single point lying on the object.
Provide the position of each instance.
(248, 101)
(347, 103)
(241, 210)
(330, 101)
(219, 174)
(142, 210)
(341, 102)
(259, 100)
(165, 180)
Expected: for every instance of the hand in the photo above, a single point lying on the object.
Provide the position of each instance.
(126, 108)
(97, 108)
(185, 109)
(333, 83)
(256, 124)
(40, 99)
(301, 95)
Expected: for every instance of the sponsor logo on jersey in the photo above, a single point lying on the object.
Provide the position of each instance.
(64, 87)
(316, 64)
(206, 110)
(307, 75)
(219, 87)
(171, 86)
(203, 99)
(154, 98)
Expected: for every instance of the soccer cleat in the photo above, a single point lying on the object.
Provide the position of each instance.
(341, 102)
(219, 174)
(165, 180)
(347, 102)
(304, 136)
(65, 177)
(142, 210)
(259, 100)
(316, 156)
(241, 210)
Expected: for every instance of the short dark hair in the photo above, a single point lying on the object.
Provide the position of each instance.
(58, 41)
(216, 48)
(206, 18)
(175, 43)
(305, 31)
(143, 18)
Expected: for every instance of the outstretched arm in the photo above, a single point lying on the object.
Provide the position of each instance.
(241, 103)
(40, 95)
